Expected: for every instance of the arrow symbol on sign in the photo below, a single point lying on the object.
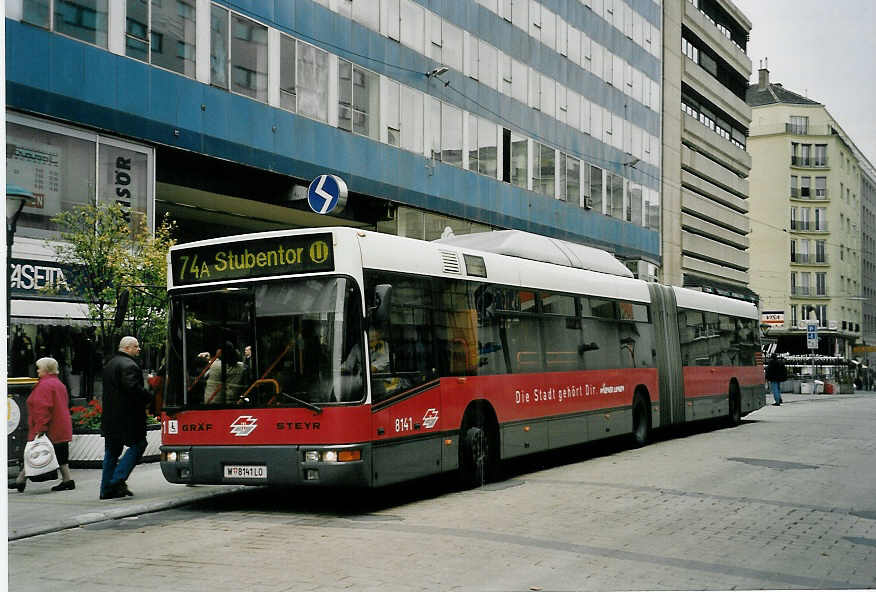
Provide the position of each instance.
(326, 196)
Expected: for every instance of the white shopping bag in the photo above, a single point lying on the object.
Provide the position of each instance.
(40, 463)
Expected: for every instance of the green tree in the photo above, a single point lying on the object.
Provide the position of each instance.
(117, 253)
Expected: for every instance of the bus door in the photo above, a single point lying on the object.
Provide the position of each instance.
(665, 319)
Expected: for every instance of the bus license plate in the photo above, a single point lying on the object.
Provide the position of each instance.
(258, 472)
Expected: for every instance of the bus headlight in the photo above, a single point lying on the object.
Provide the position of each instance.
(332, 456)
(185, 457)
(169, 456)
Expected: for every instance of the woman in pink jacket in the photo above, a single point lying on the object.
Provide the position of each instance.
(48, 413)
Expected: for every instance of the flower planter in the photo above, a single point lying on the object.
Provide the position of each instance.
(87, 448)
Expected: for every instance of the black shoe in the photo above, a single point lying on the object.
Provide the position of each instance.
(776, 404)
(65, 485)
(123, 489)
(112, 492)
(13, 484)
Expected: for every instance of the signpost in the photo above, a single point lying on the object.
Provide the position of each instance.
(327, 194)
(812, 344)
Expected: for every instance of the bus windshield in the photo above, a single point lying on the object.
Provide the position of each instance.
(287, 343)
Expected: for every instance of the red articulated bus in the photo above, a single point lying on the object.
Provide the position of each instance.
(352, 358)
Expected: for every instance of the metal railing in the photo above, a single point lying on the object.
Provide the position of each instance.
(809, 161)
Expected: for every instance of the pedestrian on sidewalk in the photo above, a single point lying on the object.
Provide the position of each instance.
(48, 412)
(776, 374)
(124, 418)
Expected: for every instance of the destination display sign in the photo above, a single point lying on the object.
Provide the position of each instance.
(281, 255)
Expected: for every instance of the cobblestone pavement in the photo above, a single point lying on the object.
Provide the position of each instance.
(787, 500)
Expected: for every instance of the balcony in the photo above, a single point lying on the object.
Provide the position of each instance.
(808, 226)
(806, 194)
(809, 162)
(808, 130)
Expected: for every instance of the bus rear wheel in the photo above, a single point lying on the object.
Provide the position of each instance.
(734, 416)
(641, 421)
(475, 457)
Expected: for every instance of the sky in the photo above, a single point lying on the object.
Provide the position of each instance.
(824, 50)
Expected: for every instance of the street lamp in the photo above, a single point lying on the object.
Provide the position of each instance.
(16, 198)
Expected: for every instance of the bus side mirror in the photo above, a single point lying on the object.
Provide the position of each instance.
(378, 314)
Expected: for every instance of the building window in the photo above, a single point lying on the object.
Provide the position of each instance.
(820, 155)
(482, 150)
(162, 34)
(411, 119)
(392, 111)
(287, 73)
(451, 135)
(570, 183)
(219, 46)
(544, 173)
(85, 20)
(519, 159)
(249, 58)
(36, 12)
(820, 253)
(799, 125)
(596, 187)
(358, 94)
(820, 187)
(805, 187)
(312, 83)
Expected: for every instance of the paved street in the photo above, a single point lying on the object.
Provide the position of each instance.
(785, 501)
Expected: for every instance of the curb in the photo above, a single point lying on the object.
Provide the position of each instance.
(121, 511)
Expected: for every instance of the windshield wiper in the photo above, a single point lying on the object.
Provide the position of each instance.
(312, 406)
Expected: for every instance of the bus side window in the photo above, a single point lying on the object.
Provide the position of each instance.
(491, 335)
(401, 350)
(562, 332)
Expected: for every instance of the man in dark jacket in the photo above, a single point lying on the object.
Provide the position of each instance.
(124, 418)
(776, 373)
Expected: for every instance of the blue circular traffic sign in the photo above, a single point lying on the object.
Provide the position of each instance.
(327, 194)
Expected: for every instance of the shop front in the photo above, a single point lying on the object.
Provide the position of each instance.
(63, 167)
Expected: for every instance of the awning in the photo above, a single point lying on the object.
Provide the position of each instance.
(48, 312)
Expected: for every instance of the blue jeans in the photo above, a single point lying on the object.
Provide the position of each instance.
(776, 388)
(115, 469)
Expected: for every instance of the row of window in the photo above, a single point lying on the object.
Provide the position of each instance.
(712, 339)
(708, 116)
(801, 283)
(704, 56)
(800, 251)
(242, 58)
(553, 31)
(444, 327)
(713, 13)
(421, 123)
(413, 120)
(801, 221)
(820, 312)
(550, 29)
(804, 189)
(164, 34)
(803, 155)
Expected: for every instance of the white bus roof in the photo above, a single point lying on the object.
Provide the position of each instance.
(516, 265)
(536, 247)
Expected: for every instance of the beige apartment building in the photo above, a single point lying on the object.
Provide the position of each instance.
(705, 190)
(806, 220)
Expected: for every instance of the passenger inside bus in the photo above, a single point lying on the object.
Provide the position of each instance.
(225, 377)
